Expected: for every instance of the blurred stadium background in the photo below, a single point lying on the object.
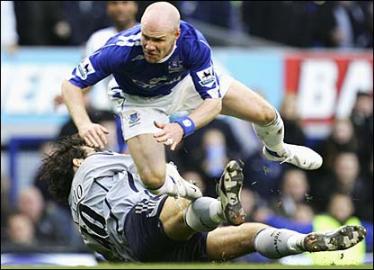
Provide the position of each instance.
(313, 60)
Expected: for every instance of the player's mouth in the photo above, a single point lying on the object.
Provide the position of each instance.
(150, 54)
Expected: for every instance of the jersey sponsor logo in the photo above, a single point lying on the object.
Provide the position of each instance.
(206, 77)
(85, 68)
(164, 80)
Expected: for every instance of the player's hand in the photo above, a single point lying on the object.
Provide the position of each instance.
(171, 134)
(94, 135)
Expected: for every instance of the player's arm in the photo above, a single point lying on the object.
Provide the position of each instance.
(206, 112)
(93, 134)
(90, 71)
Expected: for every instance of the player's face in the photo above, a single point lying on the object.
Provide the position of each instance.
(157, 45)
(122, 12)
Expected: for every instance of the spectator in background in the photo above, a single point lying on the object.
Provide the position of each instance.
(286, 22)
(20, 230)
(217, 13)
(9, 35)
(251, 201)
(351, 25)
(294, 190)
(303, 214)
(291, 120)
(83, 18)
(341, 139)
(345, 179)
(214, 146)
(51, 224)
(362, 120)
(41, 23)
(5, 209)
(262, 175)
(342, 24)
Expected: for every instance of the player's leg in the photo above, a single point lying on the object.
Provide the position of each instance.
(241, 102)
(230, 242)
(149, 158)
(181, 218)
(157, 176)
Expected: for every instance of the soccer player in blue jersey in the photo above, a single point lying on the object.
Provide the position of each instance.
(161, 67)
(120, 219)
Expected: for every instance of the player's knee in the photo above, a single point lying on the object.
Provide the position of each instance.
(266, 115)
(152, 177)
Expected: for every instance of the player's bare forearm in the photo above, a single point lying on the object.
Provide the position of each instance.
(206, 112)
(93, 134)
(73, 98)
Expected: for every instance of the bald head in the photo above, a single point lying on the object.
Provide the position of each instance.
(161, 17)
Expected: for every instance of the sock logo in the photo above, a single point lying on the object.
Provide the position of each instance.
(276, 240)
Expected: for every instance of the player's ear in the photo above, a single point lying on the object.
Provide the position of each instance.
(77, 162)
(177, 33)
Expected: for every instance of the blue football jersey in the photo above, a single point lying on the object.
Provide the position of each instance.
(123, 57)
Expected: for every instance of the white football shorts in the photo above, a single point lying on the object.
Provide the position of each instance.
(139, 113)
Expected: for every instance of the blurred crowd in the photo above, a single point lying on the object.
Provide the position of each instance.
(306, 24)
(277, 194)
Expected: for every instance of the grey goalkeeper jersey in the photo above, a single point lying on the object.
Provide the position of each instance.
(104, 189)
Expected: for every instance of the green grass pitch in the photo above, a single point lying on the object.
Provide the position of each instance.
(191, 266)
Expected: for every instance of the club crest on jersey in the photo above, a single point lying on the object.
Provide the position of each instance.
(85, 68)
(133, 119)
(175, 66)
(206, 76)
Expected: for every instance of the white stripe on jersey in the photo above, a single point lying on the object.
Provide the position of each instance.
(133, 40)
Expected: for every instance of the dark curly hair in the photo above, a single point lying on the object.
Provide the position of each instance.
(57, 168)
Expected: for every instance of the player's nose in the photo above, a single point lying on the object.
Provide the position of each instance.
(149, 46)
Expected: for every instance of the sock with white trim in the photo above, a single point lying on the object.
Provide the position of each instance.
(276, 243)
(272, 134)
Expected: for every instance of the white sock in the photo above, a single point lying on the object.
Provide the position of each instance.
(276, 243)
(272, 134)
(169, 187)
(204, 214)
(176, 186)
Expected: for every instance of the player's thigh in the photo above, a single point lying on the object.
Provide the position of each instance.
(172, 218)
(148, 155)
(230, 242)
(242, 102)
